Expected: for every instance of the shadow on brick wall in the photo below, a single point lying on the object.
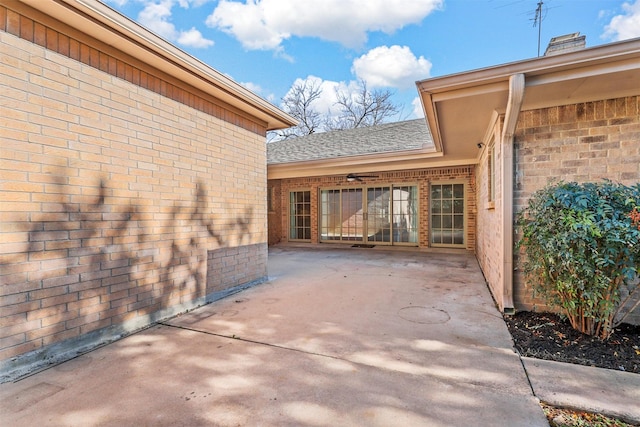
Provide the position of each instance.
(89, 262)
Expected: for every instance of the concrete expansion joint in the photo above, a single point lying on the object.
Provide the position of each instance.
(235, 337)
(526, 374)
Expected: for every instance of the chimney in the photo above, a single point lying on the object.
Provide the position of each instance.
(565, 44)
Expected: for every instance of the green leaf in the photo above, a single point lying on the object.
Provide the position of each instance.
(577, 239)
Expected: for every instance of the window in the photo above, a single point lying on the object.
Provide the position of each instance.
(271, 207)
(300, 215)
(491, 160)
(447, 214)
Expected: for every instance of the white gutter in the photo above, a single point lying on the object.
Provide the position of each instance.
(514, 104)
(592, 56)
(374, 162)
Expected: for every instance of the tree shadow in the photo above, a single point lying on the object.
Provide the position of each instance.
(93, 261)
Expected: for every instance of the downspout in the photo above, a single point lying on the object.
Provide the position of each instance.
(514, 104)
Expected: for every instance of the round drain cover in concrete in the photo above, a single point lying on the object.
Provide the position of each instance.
(424, 315)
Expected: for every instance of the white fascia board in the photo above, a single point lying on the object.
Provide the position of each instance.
(612, 52)
(362, 165)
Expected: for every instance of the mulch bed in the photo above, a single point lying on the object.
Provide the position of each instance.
(547, 336)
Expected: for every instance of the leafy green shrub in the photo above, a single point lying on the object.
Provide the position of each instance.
(582, 246)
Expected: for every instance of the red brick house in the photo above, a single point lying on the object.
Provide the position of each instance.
(492, 137)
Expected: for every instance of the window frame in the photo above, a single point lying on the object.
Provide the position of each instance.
(491, 176)
(365, 193)
(290, 212)
(271, 201)
(465, 214)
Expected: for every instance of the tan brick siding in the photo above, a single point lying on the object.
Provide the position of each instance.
(53, 35)
(234, 266)
(275, 213)
(581, 142)
(421, 177)
(112, 193)
(489, 248)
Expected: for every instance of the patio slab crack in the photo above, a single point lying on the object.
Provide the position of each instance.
(235, 337)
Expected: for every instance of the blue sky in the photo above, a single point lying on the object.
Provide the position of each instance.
(268, 45)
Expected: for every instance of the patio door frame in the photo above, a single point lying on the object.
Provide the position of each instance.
(364, 208)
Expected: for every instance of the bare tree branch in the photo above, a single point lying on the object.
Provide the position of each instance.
(299, 103)
(362, 108)
(358, 108)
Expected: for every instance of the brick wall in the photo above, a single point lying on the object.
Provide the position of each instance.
(116, 185)
(489, 232)
(581, 142)
(422, 178)
(274, 215)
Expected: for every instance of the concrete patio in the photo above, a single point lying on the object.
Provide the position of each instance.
(338, 336)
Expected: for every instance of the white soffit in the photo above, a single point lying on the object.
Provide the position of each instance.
(459, 106)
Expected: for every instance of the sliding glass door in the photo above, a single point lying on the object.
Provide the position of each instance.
(405, 214)
(380, 215)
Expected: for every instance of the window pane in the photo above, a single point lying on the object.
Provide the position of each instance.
(436, 192)
(458, 238)
(458, 206)
(458, 191)
(405, 215)
(330, 216)
(446, 192)
(379, 214)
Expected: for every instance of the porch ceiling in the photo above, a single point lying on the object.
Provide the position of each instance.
(459, 107)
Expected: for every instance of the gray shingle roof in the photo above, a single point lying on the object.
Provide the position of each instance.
(385, 138)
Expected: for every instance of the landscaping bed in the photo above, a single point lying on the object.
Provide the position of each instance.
(547, 336)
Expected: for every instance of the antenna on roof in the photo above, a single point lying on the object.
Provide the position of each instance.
(538, 20)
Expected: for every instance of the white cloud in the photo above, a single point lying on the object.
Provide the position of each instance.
(247, 23)
(326, 102)
(193, 38)
(625, 26)
(394, 66)
(118, 3)
(156, 16)
(418, 111)
(252, 87)
(265, 24)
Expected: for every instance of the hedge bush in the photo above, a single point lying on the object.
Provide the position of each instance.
(582, 249)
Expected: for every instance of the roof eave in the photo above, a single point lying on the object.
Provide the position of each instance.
(409, 159)
(485, 91)
(103, 23)
(530, 67)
